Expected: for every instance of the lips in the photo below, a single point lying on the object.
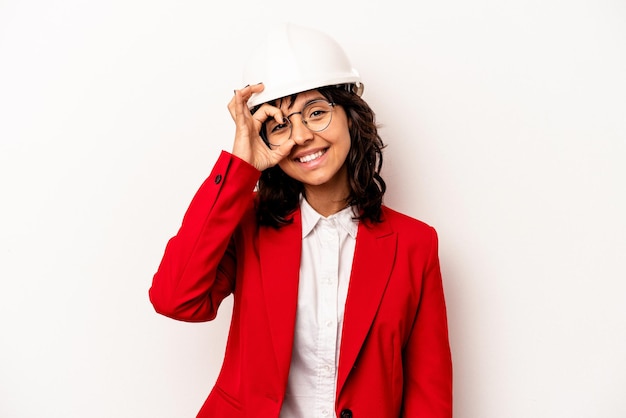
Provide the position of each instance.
(310, 157)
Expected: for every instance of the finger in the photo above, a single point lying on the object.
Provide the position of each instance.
(234, 105)
(239, 106)
(244, 94)
(231, 105)
(254, 88)
(266, 111)
(250, 90)
(235, 108)
(247, 91)
(284, 149)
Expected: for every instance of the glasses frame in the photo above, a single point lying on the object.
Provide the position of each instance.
(303, 120)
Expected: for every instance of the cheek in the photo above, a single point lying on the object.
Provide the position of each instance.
(344, 146)
(287, 166)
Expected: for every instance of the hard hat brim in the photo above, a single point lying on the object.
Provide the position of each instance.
(300, 87)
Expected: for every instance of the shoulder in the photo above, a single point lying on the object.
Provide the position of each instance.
(414, 236)
(401, 222)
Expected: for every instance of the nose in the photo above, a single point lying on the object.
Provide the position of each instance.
(299, 132)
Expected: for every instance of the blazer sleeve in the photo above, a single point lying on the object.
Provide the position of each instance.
(427, 357)
(198, 267)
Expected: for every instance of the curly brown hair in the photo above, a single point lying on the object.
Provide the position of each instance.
(278, 194)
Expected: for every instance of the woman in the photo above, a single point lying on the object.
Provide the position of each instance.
(338, 300)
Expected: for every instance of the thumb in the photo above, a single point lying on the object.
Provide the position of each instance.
(283, 150)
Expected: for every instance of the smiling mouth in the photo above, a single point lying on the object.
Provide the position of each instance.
(311, 157)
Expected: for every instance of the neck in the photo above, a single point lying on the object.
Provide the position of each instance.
(331, 196)
(326, 199)
(325, 206)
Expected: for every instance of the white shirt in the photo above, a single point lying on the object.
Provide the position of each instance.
(327, 252)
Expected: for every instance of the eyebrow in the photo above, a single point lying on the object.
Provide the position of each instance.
(305, 105)
(308, 102)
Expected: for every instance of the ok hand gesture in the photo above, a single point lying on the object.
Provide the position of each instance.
(249, 145)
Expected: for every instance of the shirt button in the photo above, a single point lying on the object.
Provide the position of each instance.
(329, 323)
(325, 412)
(218, 178)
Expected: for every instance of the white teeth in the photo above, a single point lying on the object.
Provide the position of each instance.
(311, 157)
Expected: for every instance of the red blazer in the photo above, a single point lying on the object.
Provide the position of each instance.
(394, 357)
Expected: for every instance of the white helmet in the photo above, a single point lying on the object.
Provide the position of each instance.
(293, 59)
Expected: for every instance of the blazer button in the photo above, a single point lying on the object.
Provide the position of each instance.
(218, 178)
(346, 413)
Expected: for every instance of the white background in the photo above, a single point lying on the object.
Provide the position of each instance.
(506, 125)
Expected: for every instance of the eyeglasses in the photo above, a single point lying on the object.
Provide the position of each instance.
(316, 116)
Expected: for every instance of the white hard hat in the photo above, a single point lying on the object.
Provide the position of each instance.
(292, 59)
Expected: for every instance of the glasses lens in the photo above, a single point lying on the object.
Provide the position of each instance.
(317, 115)
(277, 133)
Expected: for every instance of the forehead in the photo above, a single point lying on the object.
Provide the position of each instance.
(301, 100)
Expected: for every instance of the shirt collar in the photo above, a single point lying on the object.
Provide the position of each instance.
(343, 218)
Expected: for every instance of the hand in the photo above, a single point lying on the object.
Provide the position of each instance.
(249, 145)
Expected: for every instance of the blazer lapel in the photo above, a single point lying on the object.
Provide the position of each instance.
(280, 251)
(373, 259)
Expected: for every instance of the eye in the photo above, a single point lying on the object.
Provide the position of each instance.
(316, 112)
(276, 128)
